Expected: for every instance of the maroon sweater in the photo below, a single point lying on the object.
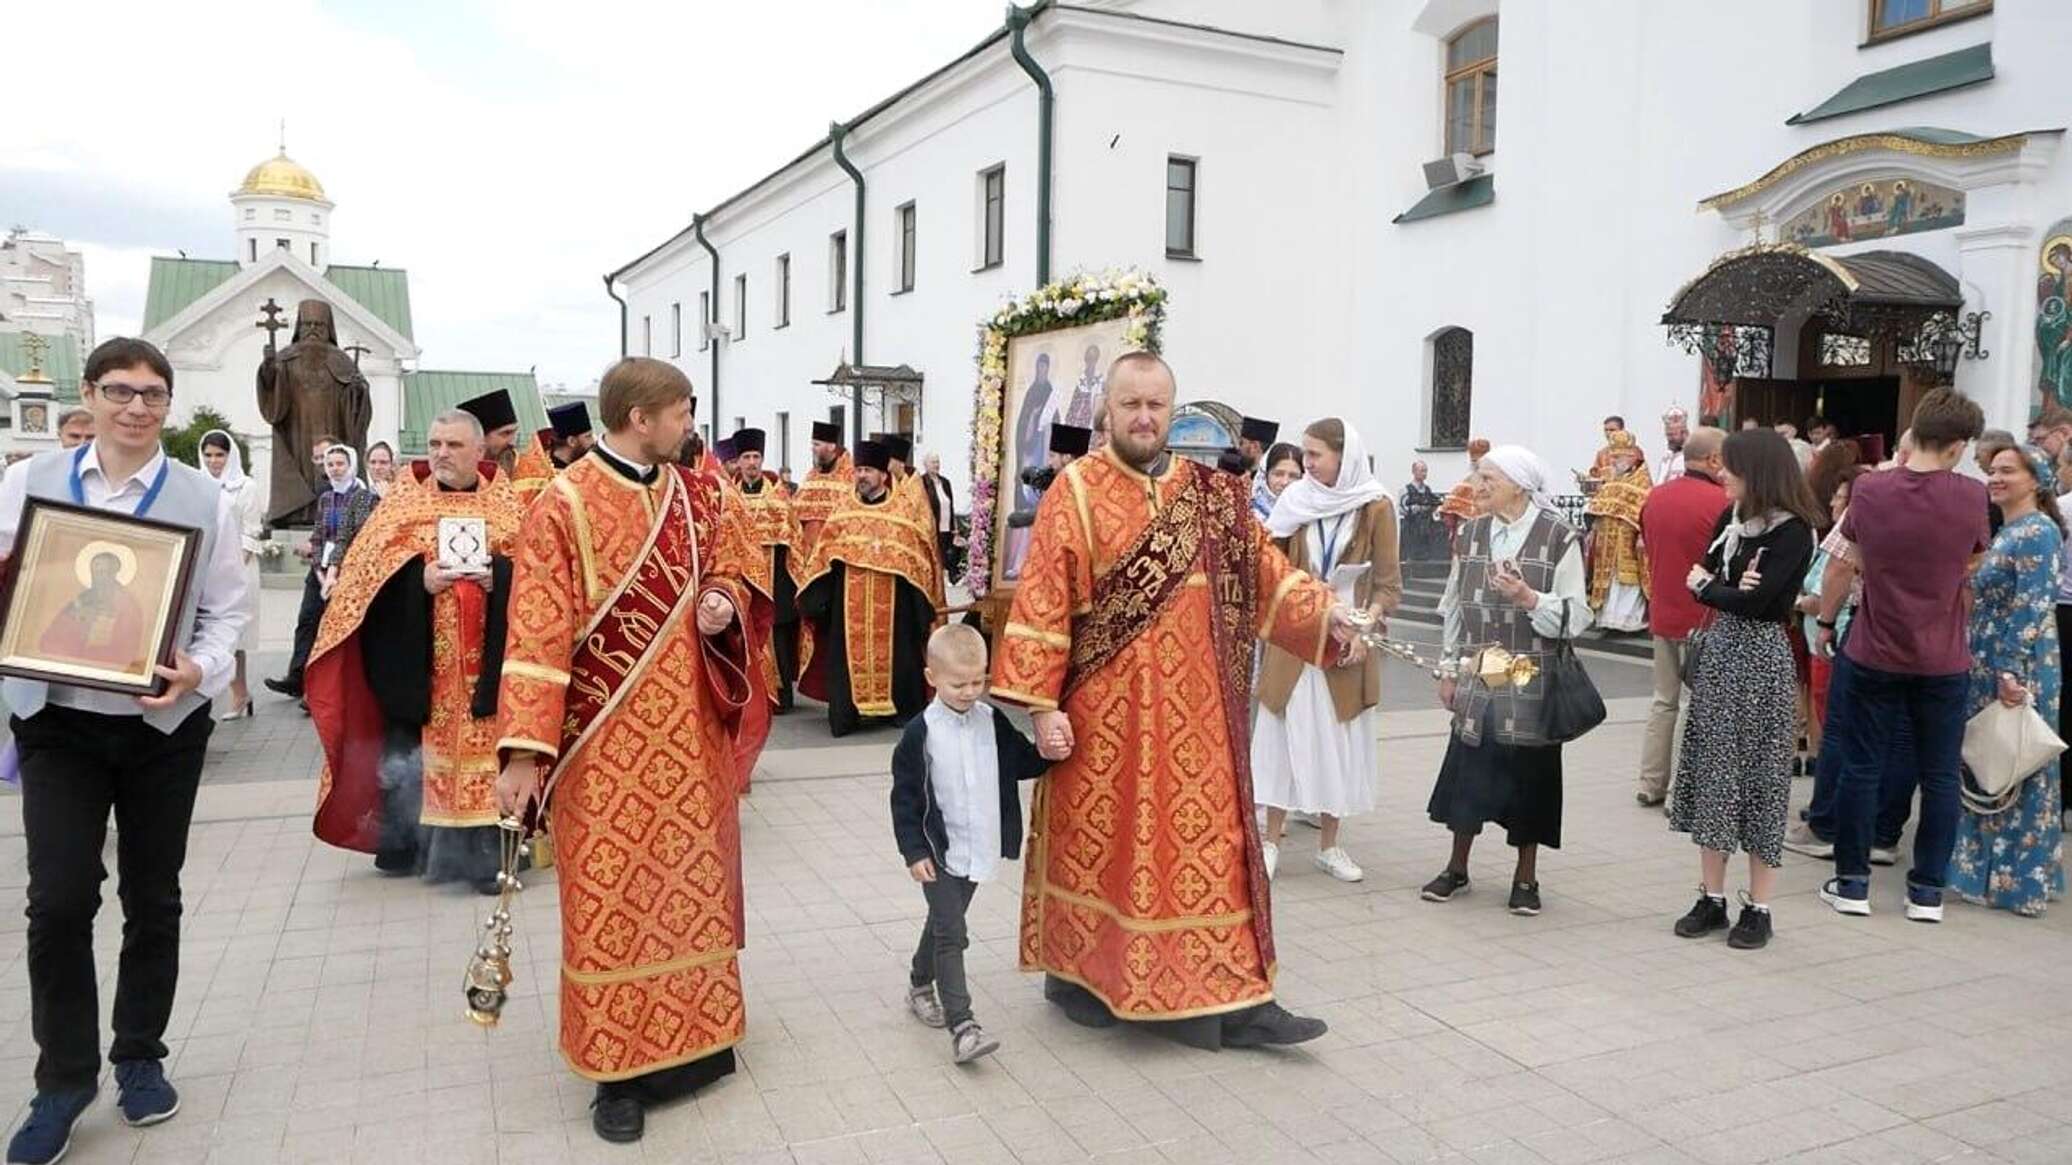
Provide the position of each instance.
(1677, 524)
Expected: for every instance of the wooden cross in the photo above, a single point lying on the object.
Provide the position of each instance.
(272, 323)
(356, 349)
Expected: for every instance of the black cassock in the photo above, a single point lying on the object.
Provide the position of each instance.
(912, 617)
(1423, 536)
(396, 650)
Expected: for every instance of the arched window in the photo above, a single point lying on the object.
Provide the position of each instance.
(1453, 387)
(1471, 89)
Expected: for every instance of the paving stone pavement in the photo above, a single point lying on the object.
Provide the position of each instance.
(319, 1016)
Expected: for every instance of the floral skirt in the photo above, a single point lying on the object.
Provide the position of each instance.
(1733, 780)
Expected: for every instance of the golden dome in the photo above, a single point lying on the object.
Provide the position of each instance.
(282, 177)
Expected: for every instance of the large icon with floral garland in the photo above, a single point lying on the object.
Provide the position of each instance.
(2054, 317)
(1041, 360)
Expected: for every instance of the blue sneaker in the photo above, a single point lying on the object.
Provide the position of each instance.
(1924, 904)
(44, 1137)
(1847, 895)
(145, 1097)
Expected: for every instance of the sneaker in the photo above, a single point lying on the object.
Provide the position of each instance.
(1847, 895)
(1444, 887)
(1525, 898)
(1752, 933)
(143, 1093)
(926, 1007)
(1270, 855)
(1800, 839)
(1270, 1023)
(1706, 915)
(47, 1133)
(1924, 904)
(1339, 864)
(970, 1042)
(1885, 855)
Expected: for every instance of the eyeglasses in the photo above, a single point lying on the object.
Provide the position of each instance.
(118, 393)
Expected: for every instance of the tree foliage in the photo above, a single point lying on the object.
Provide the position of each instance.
(182, 443)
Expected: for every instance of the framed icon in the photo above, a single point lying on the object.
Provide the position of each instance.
(92, 598)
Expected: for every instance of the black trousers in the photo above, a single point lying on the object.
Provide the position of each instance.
(306, 620)
(939, 956)
(77, 767)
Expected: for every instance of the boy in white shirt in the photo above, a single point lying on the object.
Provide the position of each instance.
(956, 814)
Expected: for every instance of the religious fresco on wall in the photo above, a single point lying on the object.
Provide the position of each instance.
(1875, 210)
(2053, 317)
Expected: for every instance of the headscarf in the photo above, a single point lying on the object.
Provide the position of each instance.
(1525, 470)
(233, 478)
(2045, 473)
(1307, 500)
(352, 469)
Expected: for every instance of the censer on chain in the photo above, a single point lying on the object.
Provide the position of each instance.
(488, 979)
(1494, 665)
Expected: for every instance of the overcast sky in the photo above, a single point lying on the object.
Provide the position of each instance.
(507, 154)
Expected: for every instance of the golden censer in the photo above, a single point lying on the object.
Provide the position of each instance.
(488, 979)
(1493, 664)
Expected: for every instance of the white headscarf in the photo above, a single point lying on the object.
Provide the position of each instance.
(233, 477)
(352, 469)
(1307, 500)
(1525, 470)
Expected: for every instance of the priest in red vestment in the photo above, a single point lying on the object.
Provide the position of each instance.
(828, 485)
(774, 527)
(1131, 640)
(402, 683)
(624, 671)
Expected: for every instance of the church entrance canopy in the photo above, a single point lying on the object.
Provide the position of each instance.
(895, 391)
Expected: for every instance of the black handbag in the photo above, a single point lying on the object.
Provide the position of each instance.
(1570, 701)
(1693, 651)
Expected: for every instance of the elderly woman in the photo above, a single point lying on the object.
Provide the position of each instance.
(2008, 849)
(1517, 583)
(1313, 741)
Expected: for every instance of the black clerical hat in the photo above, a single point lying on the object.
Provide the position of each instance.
(873, 455)
(748, 441)
(1254, 429)
(1071, 440)
(570, 420)
(827, 431)
(724, 451)
(900, 446)
(493, 409)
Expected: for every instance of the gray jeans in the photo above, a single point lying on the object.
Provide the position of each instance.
(939, 957)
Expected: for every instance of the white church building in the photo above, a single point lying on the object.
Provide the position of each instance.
(204, 313)
(1813, 208)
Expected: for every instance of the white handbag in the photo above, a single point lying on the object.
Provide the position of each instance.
(2003, 746)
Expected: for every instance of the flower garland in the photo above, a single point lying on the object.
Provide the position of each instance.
(1079, 298)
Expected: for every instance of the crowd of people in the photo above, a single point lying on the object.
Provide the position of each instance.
(588, 634)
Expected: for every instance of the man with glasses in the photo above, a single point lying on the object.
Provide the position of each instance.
(87, 754)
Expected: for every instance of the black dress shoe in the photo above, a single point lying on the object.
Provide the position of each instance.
(1270, 1023)
(284, 687)
(618, 1118)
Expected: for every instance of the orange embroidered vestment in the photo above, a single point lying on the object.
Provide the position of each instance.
(634, 709)
(459, 750)
(1143, 881)
(871, 589)
(1616, 555)
(535, 468)
(819, 496)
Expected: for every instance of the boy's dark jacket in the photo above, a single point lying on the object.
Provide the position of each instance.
(917, 821)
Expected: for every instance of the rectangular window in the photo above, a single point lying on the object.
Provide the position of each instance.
(838, 271)
(312, 254)
(838, 416)
(903, 219)
(281, 243)
(252, 247)
(1471, 89)
(783, 282)
(250, 214)
(283, 215)
(783, 441)
(740, 306)
(1180, 190)
(1898, 17)
(676, 329)
(992, 217)
(647, 335)
(704, 320)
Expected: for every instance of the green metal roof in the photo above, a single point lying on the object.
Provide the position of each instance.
(385, 291)
(1477, 191)
(177, 283)
(60, 363)
(1955, 70)
(428, 392)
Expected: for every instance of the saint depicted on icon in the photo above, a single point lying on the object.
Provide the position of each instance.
(104, 624)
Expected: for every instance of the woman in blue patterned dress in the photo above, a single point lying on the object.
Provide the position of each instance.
(2010, 859)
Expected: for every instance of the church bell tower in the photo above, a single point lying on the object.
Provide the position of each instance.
(281, 204)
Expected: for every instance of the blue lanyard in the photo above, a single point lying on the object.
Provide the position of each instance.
(1331, 542)
(150, 495)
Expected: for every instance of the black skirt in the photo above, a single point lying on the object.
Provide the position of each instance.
(1515, 786)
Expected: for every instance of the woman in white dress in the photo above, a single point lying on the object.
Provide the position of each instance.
(1313, 745)
(221, 459)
